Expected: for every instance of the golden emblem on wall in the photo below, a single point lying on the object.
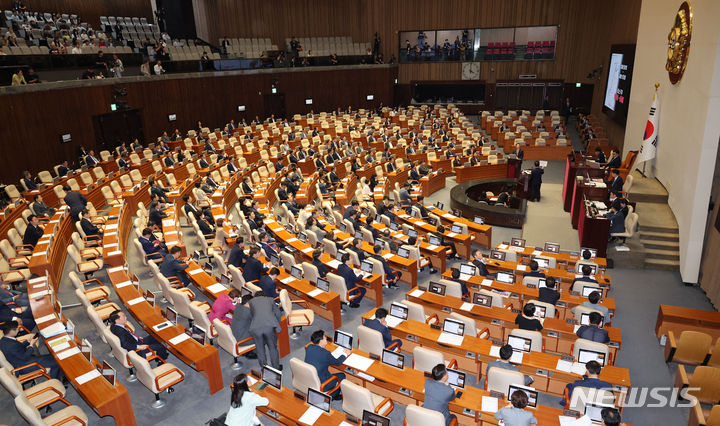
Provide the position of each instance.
(679, 43)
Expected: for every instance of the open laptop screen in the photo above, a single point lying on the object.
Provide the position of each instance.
(520, 343)
(531, 393)
(454, 327)
(586, 355)
(343, 339)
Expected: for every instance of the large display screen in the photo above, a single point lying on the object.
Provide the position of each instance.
(619, 80)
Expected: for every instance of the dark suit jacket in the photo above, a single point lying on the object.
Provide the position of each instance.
(123, 164)
(536, 176)
(376, 325)
(594, 333)
(265, 313)
(519, 153)
(189, 208)
(204, 227)
(481, 267)
(155, 217)
(149, 247)
(62, 171)
(88, 227)
(170, 267)
(321, 359)
(90, 160)
(548, 295)
(349, 276)
(76, 201)
(240, 326)
(615, 184)
(127, 340)
(32, 235)
(386, 267)
(30, 184)
(267, 284)
(169, 161)
(237, 256)
(322, 269)
(253, 269)
(17, 353)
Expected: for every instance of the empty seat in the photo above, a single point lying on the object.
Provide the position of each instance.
(156, 379)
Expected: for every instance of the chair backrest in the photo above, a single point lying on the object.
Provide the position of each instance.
(98, 172)
(470, 324)
(310, 272)
(552, 262)
(304, 376)
(714, 360)
(693, 346)
(356, 399)
(200, 317)
(237, 278)
(118, 351)
(28, 411)
(181, 302)
(579, 310)
(497, 299)
(287, 260)
(628, 183)
(582, 395)
(225, 337)
(707, 379)
(549, 308)
(416, 311)
(10, 382)
(535, 336)
(425, 359)
(592, 346)
(452, 288)
(500, 379)
(370, 341)
(143, 371)
(417, 415)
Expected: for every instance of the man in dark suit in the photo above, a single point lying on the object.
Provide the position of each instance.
(123, 162)
(63, 169)
(75, 201)
(27, 180)
(351, 280)
(421, 206)
(534, 270)
(599, 155)
(452, 250)
(131, 341)
(391, 277)
(593, 331)
(536, 181)
(156, 216)
(321, 358)
(318, 162)
(479, 262)
(617, 221)
(267, 283)
(88, 227)
(151, 245)
(90, 159)
(268, 244)
(264, 327)
(23, 316)
(379, 324)
(171, 268)
(8, 295)
(615, 161)
(237, 256)
(253, 267)
(40, 208)
(203, 163)
(168, 160)
(590, 379)
(33, 231)
(519, 153)
(586, 270)
(548, 294)
(240, 325)
(282, 192)
(20, 354)
(616, 182)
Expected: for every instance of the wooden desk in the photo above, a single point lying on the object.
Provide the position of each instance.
(593, 231)
(585, 190)
(482, 233)
(433, 182)
(203, 358)
(463, 242)
(465, 174)
(324, 304)
(678, 319)
(104, 399)
(564, 259)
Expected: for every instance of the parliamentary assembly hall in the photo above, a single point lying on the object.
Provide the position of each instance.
(360, 212)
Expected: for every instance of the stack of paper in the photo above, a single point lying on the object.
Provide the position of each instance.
(52, 330)
(135, 301)
(315, 292)
(338, 352)
(563, 365)
(179, 338)
(195, 271)
(84, 378)
(387, 256)
(450, 339)
(536, 253)
(334, 263)
(579, 368)
(467, 306)
(517, 357)
(392, 321)
(216, 288)
(502, 247)
(417, 293)
(68, 353)
(358, 362)
(287, 279)
(487, 283)
(572, 421)
(489, 404)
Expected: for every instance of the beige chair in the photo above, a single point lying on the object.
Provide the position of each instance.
(297, 318)
(582, 395)
(70, 415)
(371, 341)
(39, 395)
(714, 357)
(536, 338)
(417, 415)
(86, 252)
(227, 341)
(181, 301)
(416, 312)
(452, 288)
(12, 276)
(337, 285)
(305, 376)
(94, 294)
(356, 399)
(500, 379)
(631, 222)
(16, 241)
(471, 326)
(425, 359)
(121, 354)
(550, 311)
(592, 346)
(579, 310)
(156, 379)
(12, 192)
(552, 262)
(86, 267)
(103, 310)
(12, 257)
(497, 299)
(310, 272)
(578, 286)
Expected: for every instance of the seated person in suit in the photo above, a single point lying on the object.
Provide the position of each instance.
(28, 181)
(548, 294)
(321, 358)
(237, 255)
(586, 271)
(20, 354)
(205, 227)
(322, 269)
(356, 247)
(253, 267)
(63, 169)
(156, 216)
(419, 205)
(351, 280)
(438, 393)
(506, 352)
(515, 413)
(534, 272)
(88, 227)
(385, 208)
(615, 161)
(23, 316)
(131, 341)
(172, 268)
(455, 274)
(615, 183)
(241, 320)
(369, 226)
(7, 295)
(594, 331)
(391, 276)
(153, 248)
(267, 283)
(33, 231)
(452, 250)
(41, 209)
(161, 192)
(590, 379)
(268, 244)
(292, 205)
(599, 155)
(354, 206)
(593, 302)
(480, 262)
(380, 324)
(617, 222)
(526, 320)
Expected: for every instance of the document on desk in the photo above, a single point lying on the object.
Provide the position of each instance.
(421, 223)
(84, 378)
(502, 247)
(115, 269)
(195, 271)
(432, 247)
(68, 353)
(59, 344)
(392, 321)
(387, 256)
(53, 330)
(315, 292)
(287, 279)
(307, 250)
(416, 293)
(45, 318)
(365, 376)
(291, 240)
(563, 365)
(579, 368)
(358, 362)
(517, 357)
(451, 234)
(334, 263)
(572, 421)
(489, 404)
(522, 268)
(135, 301)
(179, 338)
(487, 283)
(448, 216)
(467, 306)
(311, 415)
(111, 226)
(216, 288)
(338, 352)
(536, 253)
(495, 351)
(515, 248)
(450, 339)
(168, 222)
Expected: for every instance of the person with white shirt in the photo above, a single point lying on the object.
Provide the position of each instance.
(76, 50)
(158, 68)
(243, 403)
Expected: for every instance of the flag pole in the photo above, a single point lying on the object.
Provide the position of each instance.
(642, 173)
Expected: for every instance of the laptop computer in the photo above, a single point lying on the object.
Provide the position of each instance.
(372, 419)
(520, 343)
(482, 300)
(393, 359)
(199, 334)
(586, 355)
(434, 240)
(367, 268)
(274, 259)
(454, 327)
(478, 220)
(436, 288)
(171, 315)
(296, 272)
(497, 255)
(318, 400)
(456, 378)
(594, 410)
(323, 284)
(588, 289)
(412, 233)
(457, 229)
(394, 226)
(440, 205)
(517, 242)
(540, 311)
(302, 236)
(467, 270)
(552, 247)
(505, 277)
(531, 393)
(593, 252)
(585, 319)
(272, 377)
(542, 262)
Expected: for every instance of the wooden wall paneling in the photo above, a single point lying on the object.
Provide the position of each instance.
(89, 10)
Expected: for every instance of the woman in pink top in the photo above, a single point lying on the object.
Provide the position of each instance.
(224, 306)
